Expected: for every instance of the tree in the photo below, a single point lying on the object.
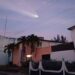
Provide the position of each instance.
(60, 39)
(63, 39)
(9, 48)
(34, 42)
(23, 40)
(57, 38)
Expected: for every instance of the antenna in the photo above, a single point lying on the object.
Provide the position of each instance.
(5, 26)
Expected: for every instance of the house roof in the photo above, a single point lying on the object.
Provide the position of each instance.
(71, 28)
(50, 41)
(63, 47)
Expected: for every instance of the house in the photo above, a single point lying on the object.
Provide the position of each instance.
(44, 49)
(4, 41)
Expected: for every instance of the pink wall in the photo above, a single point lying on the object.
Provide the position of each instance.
(36, 56)
(16, 57)
(41, 51)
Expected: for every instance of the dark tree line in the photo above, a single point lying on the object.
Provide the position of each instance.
(60, 39)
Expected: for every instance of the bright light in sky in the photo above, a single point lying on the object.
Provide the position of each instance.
(22, 8)
(36, 16)
(31, 14)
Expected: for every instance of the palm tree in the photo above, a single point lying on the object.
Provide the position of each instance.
(23, 40)
(34, 42)
(9, 49)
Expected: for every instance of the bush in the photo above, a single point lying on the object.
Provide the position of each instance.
(51, 65)
(35, 64)
(70, 66)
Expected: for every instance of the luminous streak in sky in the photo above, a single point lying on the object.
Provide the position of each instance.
(32, 15)
(19, 9)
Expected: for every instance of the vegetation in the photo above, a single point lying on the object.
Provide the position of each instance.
(8, 49)
(34, 42)
(31, 40)
(70, 66)
(35, 65)
(60, 39)
(23, 40)
(51, 64)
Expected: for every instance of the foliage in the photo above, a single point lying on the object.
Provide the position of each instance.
(60, 39)
(63, 39)
(23, 40)
(33, 41)
(9, 48)
(70, 66)
(51, 64)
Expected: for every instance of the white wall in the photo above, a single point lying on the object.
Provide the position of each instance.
(73, 36)
(4, 41)
(48, 44)
(67, 55)
(3, 58)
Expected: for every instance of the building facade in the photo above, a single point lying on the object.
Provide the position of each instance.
(72, 29)
(66, 51)
(44, 49)
(63, 51)
(4, 41)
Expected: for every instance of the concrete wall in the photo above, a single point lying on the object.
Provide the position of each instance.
(37, 56)
(3, 56)
(4, 41)
(41, 51)
(73, 36)
(47, 44)
(68, 55)
(17, 56)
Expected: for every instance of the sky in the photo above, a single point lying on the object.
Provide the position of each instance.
(45, 18)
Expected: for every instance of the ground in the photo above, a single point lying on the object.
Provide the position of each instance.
(12, 73)
(13, 70)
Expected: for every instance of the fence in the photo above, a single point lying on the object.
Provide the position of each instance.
(41, 71)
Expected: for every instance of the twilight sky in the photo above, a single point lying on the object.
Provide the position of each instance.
(41, 17)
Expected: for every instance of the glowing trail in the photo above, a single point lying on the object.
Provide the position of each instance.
(23, 9)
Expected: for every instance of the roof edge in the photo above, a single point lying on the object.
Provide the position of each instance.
(71, 28)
